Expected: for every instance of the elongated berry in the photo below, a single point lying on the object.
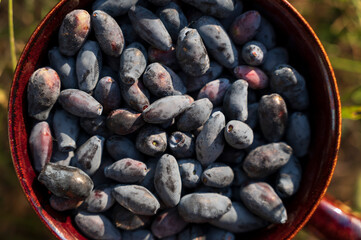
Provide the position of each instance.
(66, 181)
(196, 207)
(42, 92)
(191, 53)
(41, 145)
(210, 142)
(167, 180)
(88, 156)
(108, 33)
(150, 28)
(126, 170)
(124, 121)
(266, 159)
(166, 108)
(88, 66)
(133, 62)
(74, 31)
(136, 199)
(80, 103)
(66, 129)
(261, 200)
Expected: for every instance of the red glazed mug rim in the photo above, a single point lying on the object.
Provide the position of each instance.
(17, 119)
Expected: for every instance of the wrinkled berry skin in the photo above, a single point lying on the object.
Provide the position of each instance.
(66, 181)
(96, 226)
(151, 140)
(217, 175)
(273, 116)
(254, 53)
(195, 207)
(166, 108)
(139, 234)
(173, 18)
(266, 34)
(66, 129)
(255, 77)
(238, 134)
(181, 144)
(63, 204)
(74, 31)
(99, 200)
(107, 93)
(167, 180)
(215, 91)
(89, 155)
(210, 142)
(245, 27)
(136, 199)
(298, 134)
(135, 95)
(235, 101)
(167, 58)
(289, 178)
(126, 170)
(291, 85)
(190, 171)
(150, 28)
(216, 8)
(133, 62)
(266, 159)
(124, 121)
(88, 66)
(217, 41)
(195, 116)
(168, 223)
(42, 92)
(195, 83)
(41, 145)
(120, 147)
(239, 219)
(65, 67)
(95, 126)
(108, 33)
(80, 103)
(261, 200)
(275, 57)
(125, 219)
(191, 53)
(161, 81)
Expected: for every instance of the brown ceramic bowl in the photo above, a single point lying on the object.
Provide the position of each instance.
(307, 56)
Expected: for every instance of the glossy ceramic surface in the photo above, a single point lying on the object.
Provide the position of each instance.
(307, 56)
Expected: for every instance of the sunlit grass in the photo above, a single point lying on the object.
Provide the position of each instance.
(11, 35)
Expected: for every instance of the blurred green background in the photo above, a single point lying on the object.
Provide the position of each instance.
(337, 24)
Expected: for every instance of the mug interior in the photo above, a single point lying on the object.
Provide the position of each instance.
(306, 55)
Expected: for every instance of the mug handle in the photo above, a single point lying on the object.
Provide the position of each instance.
(334, 220)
